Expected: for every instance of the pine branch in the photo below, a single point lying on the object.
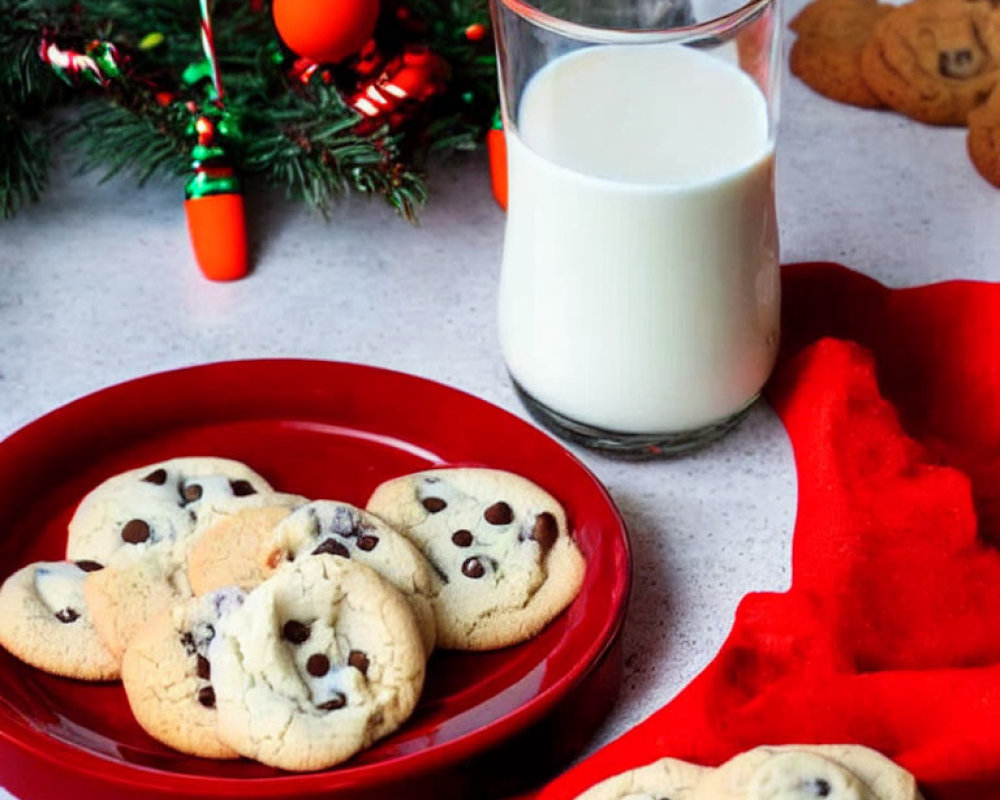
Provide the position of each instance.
(303, 138)
(115, 139)
(24, 160)
(313, 150)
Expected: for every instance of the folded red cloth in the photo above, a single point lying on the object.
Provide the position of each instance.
(890, 634)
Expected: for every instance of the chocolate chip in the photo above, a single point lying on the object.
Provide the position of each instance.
(473, 568)
(187, 642)
(206, 696)
(191, 492)
(332, 547)
(956, 63)
(318, 665)
(157, 476)
(499, 514)
(359, 661)
(434, 504)
(295, 632)
(337, 701)
(545, 530)
(204, 668)
(242, 488)
(462, 538)
(367, 542)
(817, 787)
(67, 615)
(89, 566)
(135, 531)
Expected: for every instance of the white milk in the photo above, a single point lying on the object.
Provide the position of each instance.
(639, 290)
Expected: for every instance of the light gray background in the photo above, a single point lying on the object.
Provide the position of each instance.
(97, 286)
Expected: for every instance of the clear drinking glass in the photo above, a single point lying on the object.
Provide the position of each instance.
(639, 293)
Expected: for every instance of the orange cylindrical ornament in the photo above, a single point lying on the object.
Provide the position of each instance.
(217, 224)
(496, 146)
(214, 208)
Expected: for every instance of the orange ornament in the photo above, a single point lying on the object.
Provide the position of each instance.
(496, 146)
(217, 225)
(325, 30)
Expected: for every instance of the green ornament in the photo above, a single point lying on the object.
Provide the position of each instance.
(106, 58)
(196, 72)
(206, 182)
(151, 40)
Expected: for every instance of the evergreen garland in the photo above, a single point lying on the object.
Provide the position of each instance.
(302, 137)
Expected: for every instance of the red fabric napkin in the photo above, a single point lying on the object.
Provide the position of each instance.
(890, 634)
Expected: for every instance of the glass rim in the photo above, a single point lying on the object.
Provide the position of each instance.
(603, 35)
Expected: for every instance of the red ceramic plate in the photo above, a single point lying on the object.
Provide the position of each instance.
(487, 723)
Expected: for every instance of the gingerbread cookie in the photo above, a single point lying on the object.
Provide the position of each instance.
(45, 621)
(500, 545)
(798, 772)
(826, 55)
(168, 678)
(226, 552)
(340, 529)
(321, 660)
(158, 503)
(935, 60)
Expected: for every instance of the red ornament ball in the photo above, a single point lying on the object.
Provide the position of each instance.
(325, 30)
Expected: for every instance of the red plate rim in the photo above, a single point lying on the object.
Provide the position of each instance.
(45, 748)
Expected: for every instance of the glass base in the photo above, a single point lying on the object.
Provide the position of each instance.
(630, 445)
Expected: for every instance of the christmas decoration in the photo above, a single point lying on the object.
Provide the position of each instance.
(496, 144)
(325, 30)
(214, 209)
(212, 200)
(317, 124)
(413, 77)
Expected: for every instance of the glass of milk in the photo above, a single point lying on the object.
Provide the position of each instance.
(639, 293)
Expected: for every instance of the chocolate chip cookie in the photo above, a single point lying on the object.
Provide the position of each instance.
(798, 772)
(500, 545)
(45, 621)
(157, 504)
(805, 772)
(935, 60)
(143, 523)
(340, 529)
(168, 678)
(321, 660)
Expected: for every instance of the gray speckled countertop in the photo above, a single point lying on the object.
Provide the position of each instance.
(97, 286)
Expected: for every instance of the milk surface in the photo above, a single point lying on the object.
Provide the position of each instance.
(639, 291)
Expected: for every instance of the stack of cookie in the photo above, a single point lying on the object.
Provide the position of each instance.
(804, 772)
(937, 61)
(247, 622)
